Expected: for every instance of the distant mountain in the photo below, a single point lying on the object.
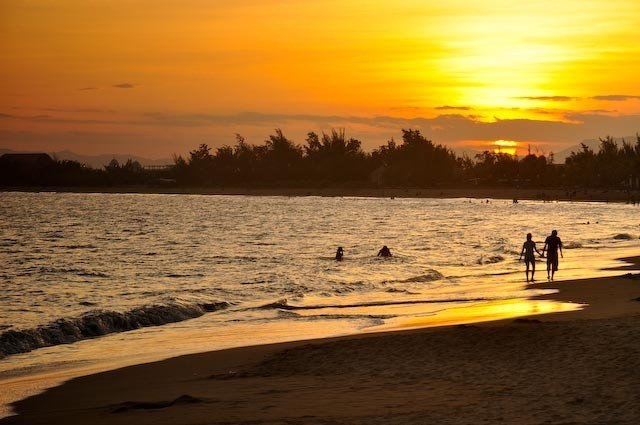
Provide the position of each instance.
(594, 144)
(99, 161)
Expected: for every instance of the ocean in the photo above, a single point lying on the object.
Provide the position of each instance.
(94, 281)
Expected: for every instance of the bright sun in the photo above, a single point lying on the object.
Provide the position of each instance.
(505, 146)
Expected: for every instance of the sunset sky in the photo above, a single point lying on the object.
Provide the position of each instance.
(152, 77)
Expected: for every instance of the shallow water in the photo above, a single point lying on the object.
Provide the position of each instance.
(164, 258)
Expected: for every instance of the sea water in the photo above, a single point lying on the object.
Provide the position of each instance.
(79, 272)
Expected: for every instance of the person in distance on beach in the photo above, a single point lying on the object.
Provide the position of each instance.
(528, 248)
(339, 254)
(551, 246)
(384, 252)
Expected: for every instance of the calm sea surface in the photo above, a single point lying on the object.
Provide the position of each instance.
(249, 270)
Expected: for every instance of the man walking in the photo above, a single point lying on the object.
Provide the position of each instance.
(551, 246)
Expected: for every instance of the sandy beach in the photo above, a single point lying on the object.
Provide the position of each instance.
(573, 367)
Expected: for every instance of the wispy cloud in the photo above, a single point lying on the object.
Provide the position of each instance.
(452, 108)
(87, 88)
(549, 98)
(124, 86)
(451, 129)
(605, 97)
(616, 97)
(53, 119)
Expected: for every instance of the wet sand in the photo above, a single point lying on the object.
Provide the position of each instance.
(540, 194)
(578, 367)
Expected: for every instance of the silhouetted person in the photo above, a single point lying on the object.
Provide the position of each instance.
(528, 249)
(384, 252)
(339, 254)
(551, 246)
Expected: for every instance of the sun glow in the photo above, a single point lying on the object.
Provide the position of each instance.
(171, 74)
(509, 147)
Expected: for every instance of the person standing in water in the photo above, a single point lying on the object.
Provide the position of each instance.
(339, 254)
(528, 249)
(551, 246)
(384, 252)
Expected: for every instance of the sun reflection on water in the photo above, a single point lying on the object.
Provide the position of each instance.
(489, 311)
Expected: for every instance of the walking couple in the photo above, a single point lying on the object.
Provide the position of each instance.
(552, 245)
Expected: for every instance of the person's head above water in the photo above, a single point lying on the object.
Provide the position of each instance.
(529, 236)
(554, 233)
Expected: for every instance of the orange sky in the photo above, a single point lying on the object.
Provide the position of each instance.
(157, 77)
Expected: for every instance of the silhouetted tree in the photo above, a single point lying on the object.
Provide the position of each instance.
(417, 161)
(201, 166)
(335, 158)
(280, 159)
(609, 167)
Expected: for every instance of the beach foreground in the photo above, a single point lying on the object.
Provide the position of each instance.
(574, 367)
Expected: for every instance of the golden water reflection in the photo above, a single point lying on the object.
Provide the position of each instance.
(489, 311)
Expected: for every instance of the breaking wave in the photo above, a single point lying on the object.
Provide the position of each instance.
(430, 276)
(491, 259)
(98, 323)
(283, 304)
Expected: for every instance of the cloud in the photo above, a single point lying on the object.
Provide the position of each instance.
(183, 131)
(80, 110)
(616, 97)
(549, 98)
(607, 97)
(452, 108)
(53, 119)
(601, 111)
(407, 108)
(124, 86)
(88, 88)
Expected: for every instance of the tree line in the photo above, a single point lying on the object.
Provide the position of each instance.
(333, 159)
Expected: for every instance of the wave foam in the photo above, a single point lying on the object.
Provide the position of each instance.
(430, 276)
(283, 304)
(492, 259)
(98, 323)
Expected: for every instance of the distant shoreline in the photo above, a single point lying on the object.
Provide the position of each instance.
(595, 195)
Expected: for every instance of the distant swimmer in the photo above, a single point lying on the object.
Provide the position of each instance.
(528, 249)
(384, 252)
(551, 246)
(339, 254)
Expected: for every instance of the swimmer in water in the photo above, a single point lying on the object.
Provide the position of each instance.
(384, 252)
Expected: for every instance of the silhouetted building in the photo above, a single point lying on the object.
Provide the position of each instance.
(25, 168)
(25, 161)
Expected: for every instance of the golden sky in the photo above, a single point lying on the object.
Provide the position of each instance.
(153, 77)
